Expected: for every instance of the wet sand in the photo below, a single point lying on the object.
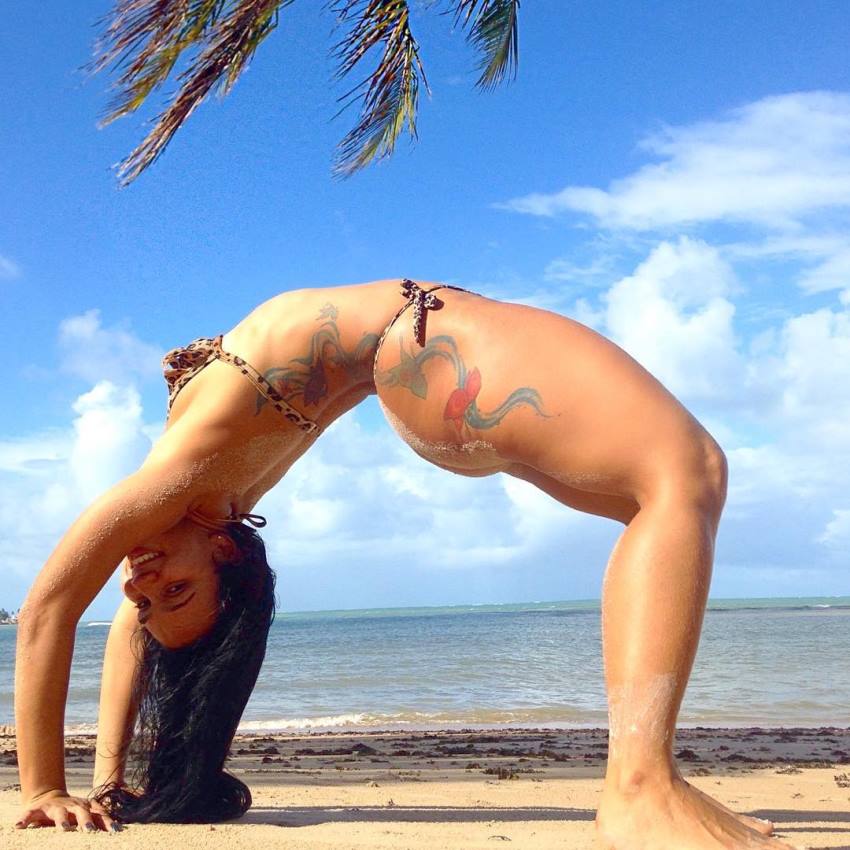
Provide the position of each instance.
(534, 789)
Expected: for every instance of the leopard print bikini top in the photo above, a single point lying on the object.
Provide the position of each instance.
(180, 365)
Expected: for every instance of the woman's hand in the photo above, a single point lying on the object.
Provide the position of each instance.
(60, 809)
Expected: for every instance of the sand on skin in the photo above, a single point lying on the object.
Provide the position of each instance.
(533, 789)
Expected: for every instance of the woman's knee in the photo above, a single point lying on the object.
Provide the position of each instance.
(694, 473)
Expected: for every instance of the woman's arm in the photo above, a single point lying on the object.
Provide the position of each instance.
(117, 712)
(183, 467)
(145, 504)
(203, 455)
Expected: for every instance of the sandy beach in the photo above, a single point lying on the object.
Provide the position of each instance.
(473, 789)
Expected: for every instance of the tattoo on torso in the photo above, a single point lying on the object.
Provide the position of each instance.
(306, 378)
(461, 406)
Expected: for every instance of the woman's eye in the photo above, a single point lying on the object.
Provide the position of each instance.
(174, 589)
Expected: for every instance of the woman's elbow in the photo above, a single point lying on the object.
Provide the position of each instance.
(39, 615)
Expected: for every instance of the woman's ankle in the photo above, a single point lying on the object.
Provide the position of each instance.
(639, 776)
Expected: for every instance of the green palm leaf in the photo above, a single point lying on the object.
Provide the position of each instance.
(494, 32)
(390, 94)
(146, 37)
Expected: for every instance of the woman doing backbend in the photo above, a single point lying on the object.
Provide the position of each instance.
(476, 387)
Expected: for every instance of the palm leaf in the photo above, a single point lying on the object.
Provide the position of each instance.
(494, 32)
(146, 37)
(144, 40)
(390, 94)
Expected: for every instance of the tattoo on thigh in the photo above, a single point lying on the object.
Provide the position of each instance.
(306, 377)
(461, 406)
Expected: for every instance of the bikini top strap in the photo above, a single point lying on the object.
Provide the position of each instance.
(265, 389)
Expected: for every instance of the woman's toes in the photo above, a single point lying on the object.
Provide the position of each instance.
(765, 827)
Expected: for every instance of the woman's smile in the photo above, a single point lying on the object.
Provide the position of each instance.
(140, 556)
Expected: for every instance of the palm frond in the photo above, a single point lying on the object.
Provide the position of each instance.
(494, 33)
(390, 94)
(144, 38)
(147, 37)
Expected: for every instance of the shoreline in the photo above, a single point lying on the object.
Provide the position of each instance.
(89, 730)
(715, 749)
(441, 790)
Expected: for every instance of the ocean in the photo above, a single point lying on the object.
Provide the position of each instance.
(776, 662)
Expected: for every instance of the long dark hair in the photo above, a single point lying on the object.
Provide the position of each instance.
(191, 699)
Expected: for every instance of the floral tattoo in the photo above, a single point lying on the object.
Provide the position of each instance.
(461, 407)
(306, 378)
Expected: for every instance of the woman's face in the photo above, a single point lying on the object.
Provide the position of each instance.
(172, 580)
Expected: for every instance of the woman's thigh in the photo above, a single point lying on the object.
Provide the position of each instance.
(502, 387)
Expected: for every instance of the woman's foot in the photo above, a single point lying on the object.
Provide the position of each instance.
(672, 815)
(765, 827)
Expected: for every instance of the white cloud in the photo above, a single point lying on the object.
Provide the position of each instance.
(764, 476)
(47, 479)
(393, 505)
(537, 517)
(28, 456)
(94, 352)
(778, 402)
(837, 531)
(9, 269)
(816, 373)
(109, 442)
(597, 272)
(673, 315)
(583, 311)
(779, 166)
(825, 258)
(771, 163)
(399, 512)
(832, 273)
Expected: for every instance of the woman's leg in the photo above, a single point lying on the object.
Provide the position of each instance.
(537, 391)
(654, 596)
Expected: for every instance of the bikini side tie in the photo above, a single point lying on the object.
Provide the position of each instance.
(422, 300)
(216, 524)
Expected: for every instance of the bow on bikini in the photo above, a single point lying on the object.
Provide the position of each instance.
(216, 524)
(422, 301)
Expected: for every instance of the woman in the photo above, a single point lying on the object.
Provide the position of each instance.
(472, 385)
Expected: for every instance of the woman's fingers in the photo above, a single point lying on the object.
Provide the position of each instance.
(84, 818)
(60, 817)
(33, 817)
(102, 819)
(71, 813)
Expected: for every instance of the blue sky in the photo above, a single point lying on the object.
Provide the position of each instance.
(679, 181)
